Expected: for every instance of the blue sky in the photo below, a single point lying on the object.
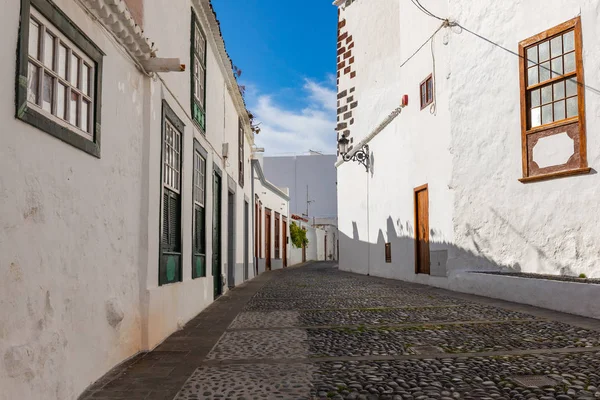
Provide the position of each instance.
(287, 54)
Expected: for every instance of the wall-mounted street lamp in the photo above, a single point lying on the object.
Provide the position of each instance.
(361, 155)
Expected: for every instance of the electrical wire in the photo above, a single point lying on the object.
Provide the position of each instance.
(443, 25)
(420, 6)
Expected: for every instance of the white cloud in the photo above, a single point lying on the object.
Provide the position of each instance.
(286, 130)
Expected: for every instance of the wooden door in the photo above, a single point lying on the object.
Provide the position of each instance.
(422, 230)
(284, 242)
(304, 250)
(267, 239)
(325, 248)
(216, 242)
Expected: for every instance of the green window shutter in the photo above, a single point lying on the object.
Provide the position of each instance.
(165, 226)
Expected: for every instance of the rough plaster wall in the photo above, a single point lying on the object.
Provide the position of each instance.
(545, 227)
(70, 235)
(378, 207)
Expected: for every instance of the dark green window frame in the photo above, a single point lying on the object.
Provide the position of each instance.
(39, 118)
(198, 65)
(170, 265)
(199, 215)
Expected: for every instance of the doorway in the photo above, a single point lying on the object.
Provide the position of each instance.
(246, 240)
(216, 238)
(422, 230)
(303, 250)
(325, 247)
(231, 239)
(285, 241)
(267, 239)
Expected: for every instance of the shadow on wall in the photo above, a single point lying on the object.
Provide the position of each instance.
(357, 255)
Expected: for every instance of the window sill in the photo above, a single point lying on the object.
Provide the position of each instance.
(553, 175)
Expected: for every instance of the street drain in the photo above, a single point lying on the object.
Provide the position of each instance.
(535, 381)
(427, 349)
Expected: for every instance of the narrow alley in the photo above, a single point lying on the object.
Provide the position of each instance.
(316, 332)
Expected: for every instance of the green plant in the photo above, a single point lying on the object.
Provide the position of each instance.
(298, 236)
(583, 276)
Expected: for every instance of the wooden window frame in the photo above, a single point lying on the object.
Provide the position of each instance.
(199, 205)
(65, 32)
(571, 167)
(197, 104)
(167, 250)
(388, 253)
(241, 152)
(428, 99)
(277, 235)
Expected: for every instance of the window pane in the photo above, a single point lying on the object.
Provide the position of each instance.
(547, 94)
(423, 100)
(85, 79)
(569, 62)
(545, 71)
(61, 101)
(62, 61)
(569, 41)
(34, 39)
(557, 67)
(430, 90)
(571, 87)
(572, 109)
(544, 51)
(49, 50)
(535, 98)
(536, 118)
(559, 110)
(546, 114)
(85, 111)
(532, 56)
(532, 76)
(74, 68)
(33, 80)
(559, 90)
(74, 108)
(48, 93)
(556, 46)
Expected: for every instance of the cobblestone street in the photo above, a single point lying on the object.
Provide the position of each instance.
(316, 332)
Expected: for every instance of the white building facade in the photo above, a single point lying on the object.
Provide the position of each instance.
(125, 195)
(271, 221)
(491, 164)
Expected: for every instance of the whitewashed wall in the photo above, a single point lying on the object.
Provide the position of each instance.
(468, 151)
(70, 233)
(377, 207)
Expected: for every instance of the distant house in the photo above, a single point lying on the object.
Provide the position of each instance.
(125, 194)
(490, 166)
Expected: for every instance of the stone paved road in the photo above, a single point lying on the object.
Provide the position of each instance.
(317, 333)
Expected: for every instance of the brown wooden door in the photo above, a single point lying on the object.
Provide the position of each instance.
(284, 242)
(422, 230)
(303, 250)
(267, 239)
(325, 248)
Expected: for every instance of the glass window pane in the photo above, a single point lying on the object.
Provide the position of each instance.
(423, 100)
(34, 39)
(559, 90)
(544, 71)
(532, 56)
(571, 87)
(48, 93)
(85, 112)
(74, 68)
(532, 76)
(62, 61)
(546, 114)
(430, 90)
(61, 101)
(85, 79)
(557, 67)
(569, 41)
(572, 107)
(74, 108)
(569, 62)
(547, 94)
(556, 46)
(534, 98)
(49, 50)
(544, 51)
(33, 79)
(536, 118)
(559, 110)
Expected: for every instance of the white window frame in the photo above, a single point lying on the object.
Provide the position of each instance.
(172, 157)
